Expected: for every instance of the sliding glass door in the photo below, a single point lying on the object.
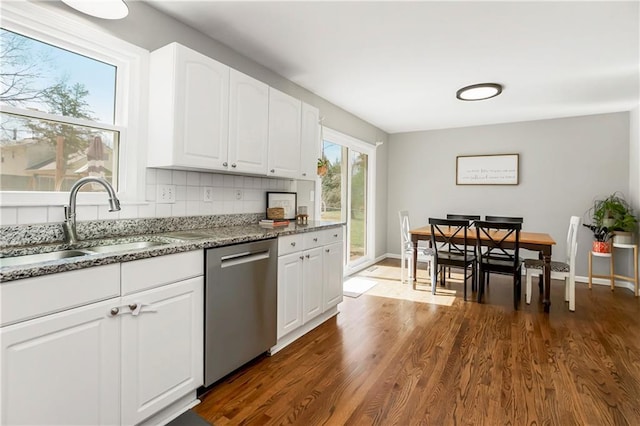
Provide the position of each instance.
(346, 193)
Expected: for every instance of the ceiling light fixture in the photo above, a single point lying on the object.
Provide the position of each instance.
(105, 9)
(479, 92)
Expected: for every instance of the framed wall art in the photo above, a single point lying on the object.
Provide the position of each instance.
(499, 169)
(287, 200)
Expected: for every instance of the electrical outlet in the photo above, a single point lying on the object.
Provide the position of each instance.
(238, 194)
(207, 194)
(166, 194)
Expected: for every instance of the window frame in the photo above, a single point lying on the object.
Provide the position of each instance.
(71, 32)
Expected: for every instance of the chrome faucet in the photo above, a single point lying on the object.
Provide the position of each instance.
(69, 225)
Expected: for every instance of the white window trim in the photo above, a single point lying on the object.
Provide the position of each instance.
(370, 150)
(72, 32)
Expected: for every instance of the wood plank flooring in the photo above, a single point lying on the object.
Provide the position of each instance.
(395, 362)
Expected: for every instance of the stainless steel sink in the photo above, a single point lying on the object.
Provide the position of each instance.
(113, 248)
(41, 257)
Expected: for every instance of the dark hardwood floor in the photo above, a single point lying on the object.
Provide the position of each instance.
(386, 361)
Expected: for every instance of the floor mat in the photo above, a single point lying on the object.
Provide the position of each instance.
(188, 418)
(356, 286)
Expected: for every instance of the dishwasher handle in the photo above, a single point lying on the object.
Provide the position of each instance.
(241, 258)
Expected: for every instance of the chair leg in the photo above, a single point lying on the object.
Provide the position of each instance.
(480, 284)
(572, 293)
(434, 276)
(566, 289)
(515, 292)
(527, 292)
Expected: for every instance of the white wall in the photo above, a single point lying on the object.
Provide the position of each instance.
(564, 165)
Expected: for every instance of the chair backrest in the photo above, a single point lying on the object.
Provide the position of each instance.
(572, 241)
(470, 217)
(450, 234)
(405, 237)
(509, 219)
(500, 239)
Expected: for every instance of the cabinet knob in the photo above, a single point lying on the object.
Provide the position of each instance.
(225, 164)
(315, 239)
(133, 306)
(335, 235)
(293, 244)
(114, 311)
(327, 250)
(301, 257)
(307, 256)
(304, 174)
(233, 165)
(272, 170)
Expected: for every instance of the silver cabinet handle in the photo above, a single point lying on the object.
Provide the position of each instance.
(114, 311)
(293, 244)
(272, 170)
(225, 164)
(133, 306)
(233, 165)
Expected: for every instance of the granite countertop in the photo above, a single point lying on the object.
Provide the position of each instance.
(172, 242)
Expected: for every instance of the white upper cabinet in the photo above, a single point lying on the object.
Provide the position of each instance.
(248, 124)
(309, 142)
(284, 135)
(188, 109)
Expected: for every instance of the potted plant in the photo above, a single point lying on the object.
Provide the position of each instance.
(323, 166)
(601, 236)
(615, 213)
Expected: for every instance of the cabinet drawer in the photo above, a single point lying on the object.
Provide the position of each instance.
(312, 240)
(290, 244)
(157, 271)
(34, 297)
(332, 235)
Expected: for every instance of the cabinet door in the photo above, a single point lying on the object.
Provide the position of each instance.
(332, 265)
(162, 347)
(309, 142)
(62, 368)
(188, 109)
(289, 293)
(312, 303)
(284, 135)
(248, 124)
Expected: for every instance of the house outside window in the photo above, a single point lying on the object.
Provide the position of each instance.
(70, 107)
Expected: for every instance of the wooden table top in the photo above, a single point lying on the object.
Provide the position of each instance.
(526, 237)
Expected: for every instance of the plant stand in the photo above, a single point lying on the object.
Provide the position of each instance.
(612, 275)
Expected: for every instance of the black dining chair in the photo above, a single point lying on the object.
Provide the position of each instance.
(501, 241)
(449, 241)
(471, 218)
(509, 219)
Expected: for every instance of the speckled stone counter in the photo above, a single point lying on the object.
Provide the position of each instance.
(175, 235)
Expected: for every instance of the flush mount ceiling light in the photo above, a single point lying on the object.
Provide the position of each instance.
(105, 9)
(479, 92)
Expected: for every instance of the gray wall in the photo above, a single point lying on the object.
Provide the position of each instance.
(564, 165)
(150, 29)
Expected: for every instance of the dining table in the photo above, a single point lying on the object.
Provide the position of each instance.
(534, 241)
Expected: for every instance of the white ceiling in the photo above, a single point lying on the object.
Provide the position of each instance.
(398, 65)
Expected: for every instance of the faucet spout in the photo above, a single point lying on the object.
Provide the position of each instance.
(69, 225)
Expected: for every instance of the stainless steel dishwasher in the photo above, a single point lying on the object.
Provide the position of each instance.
(240, 305)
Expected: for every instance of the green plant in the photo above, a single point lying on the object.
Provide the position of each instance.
(322, 162)
(614, 213)
(600, 233)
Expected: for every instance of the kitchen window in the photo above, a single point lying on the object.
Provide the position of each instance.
(69, 107)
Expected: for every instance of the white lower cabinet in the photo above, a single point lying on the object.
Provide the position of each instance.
(62, 368)
(332, 274)
(162, 347)
(309, 282)
(117, 361)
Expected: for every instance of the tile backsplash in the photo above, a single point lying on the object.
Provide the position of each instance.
(229, 194)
